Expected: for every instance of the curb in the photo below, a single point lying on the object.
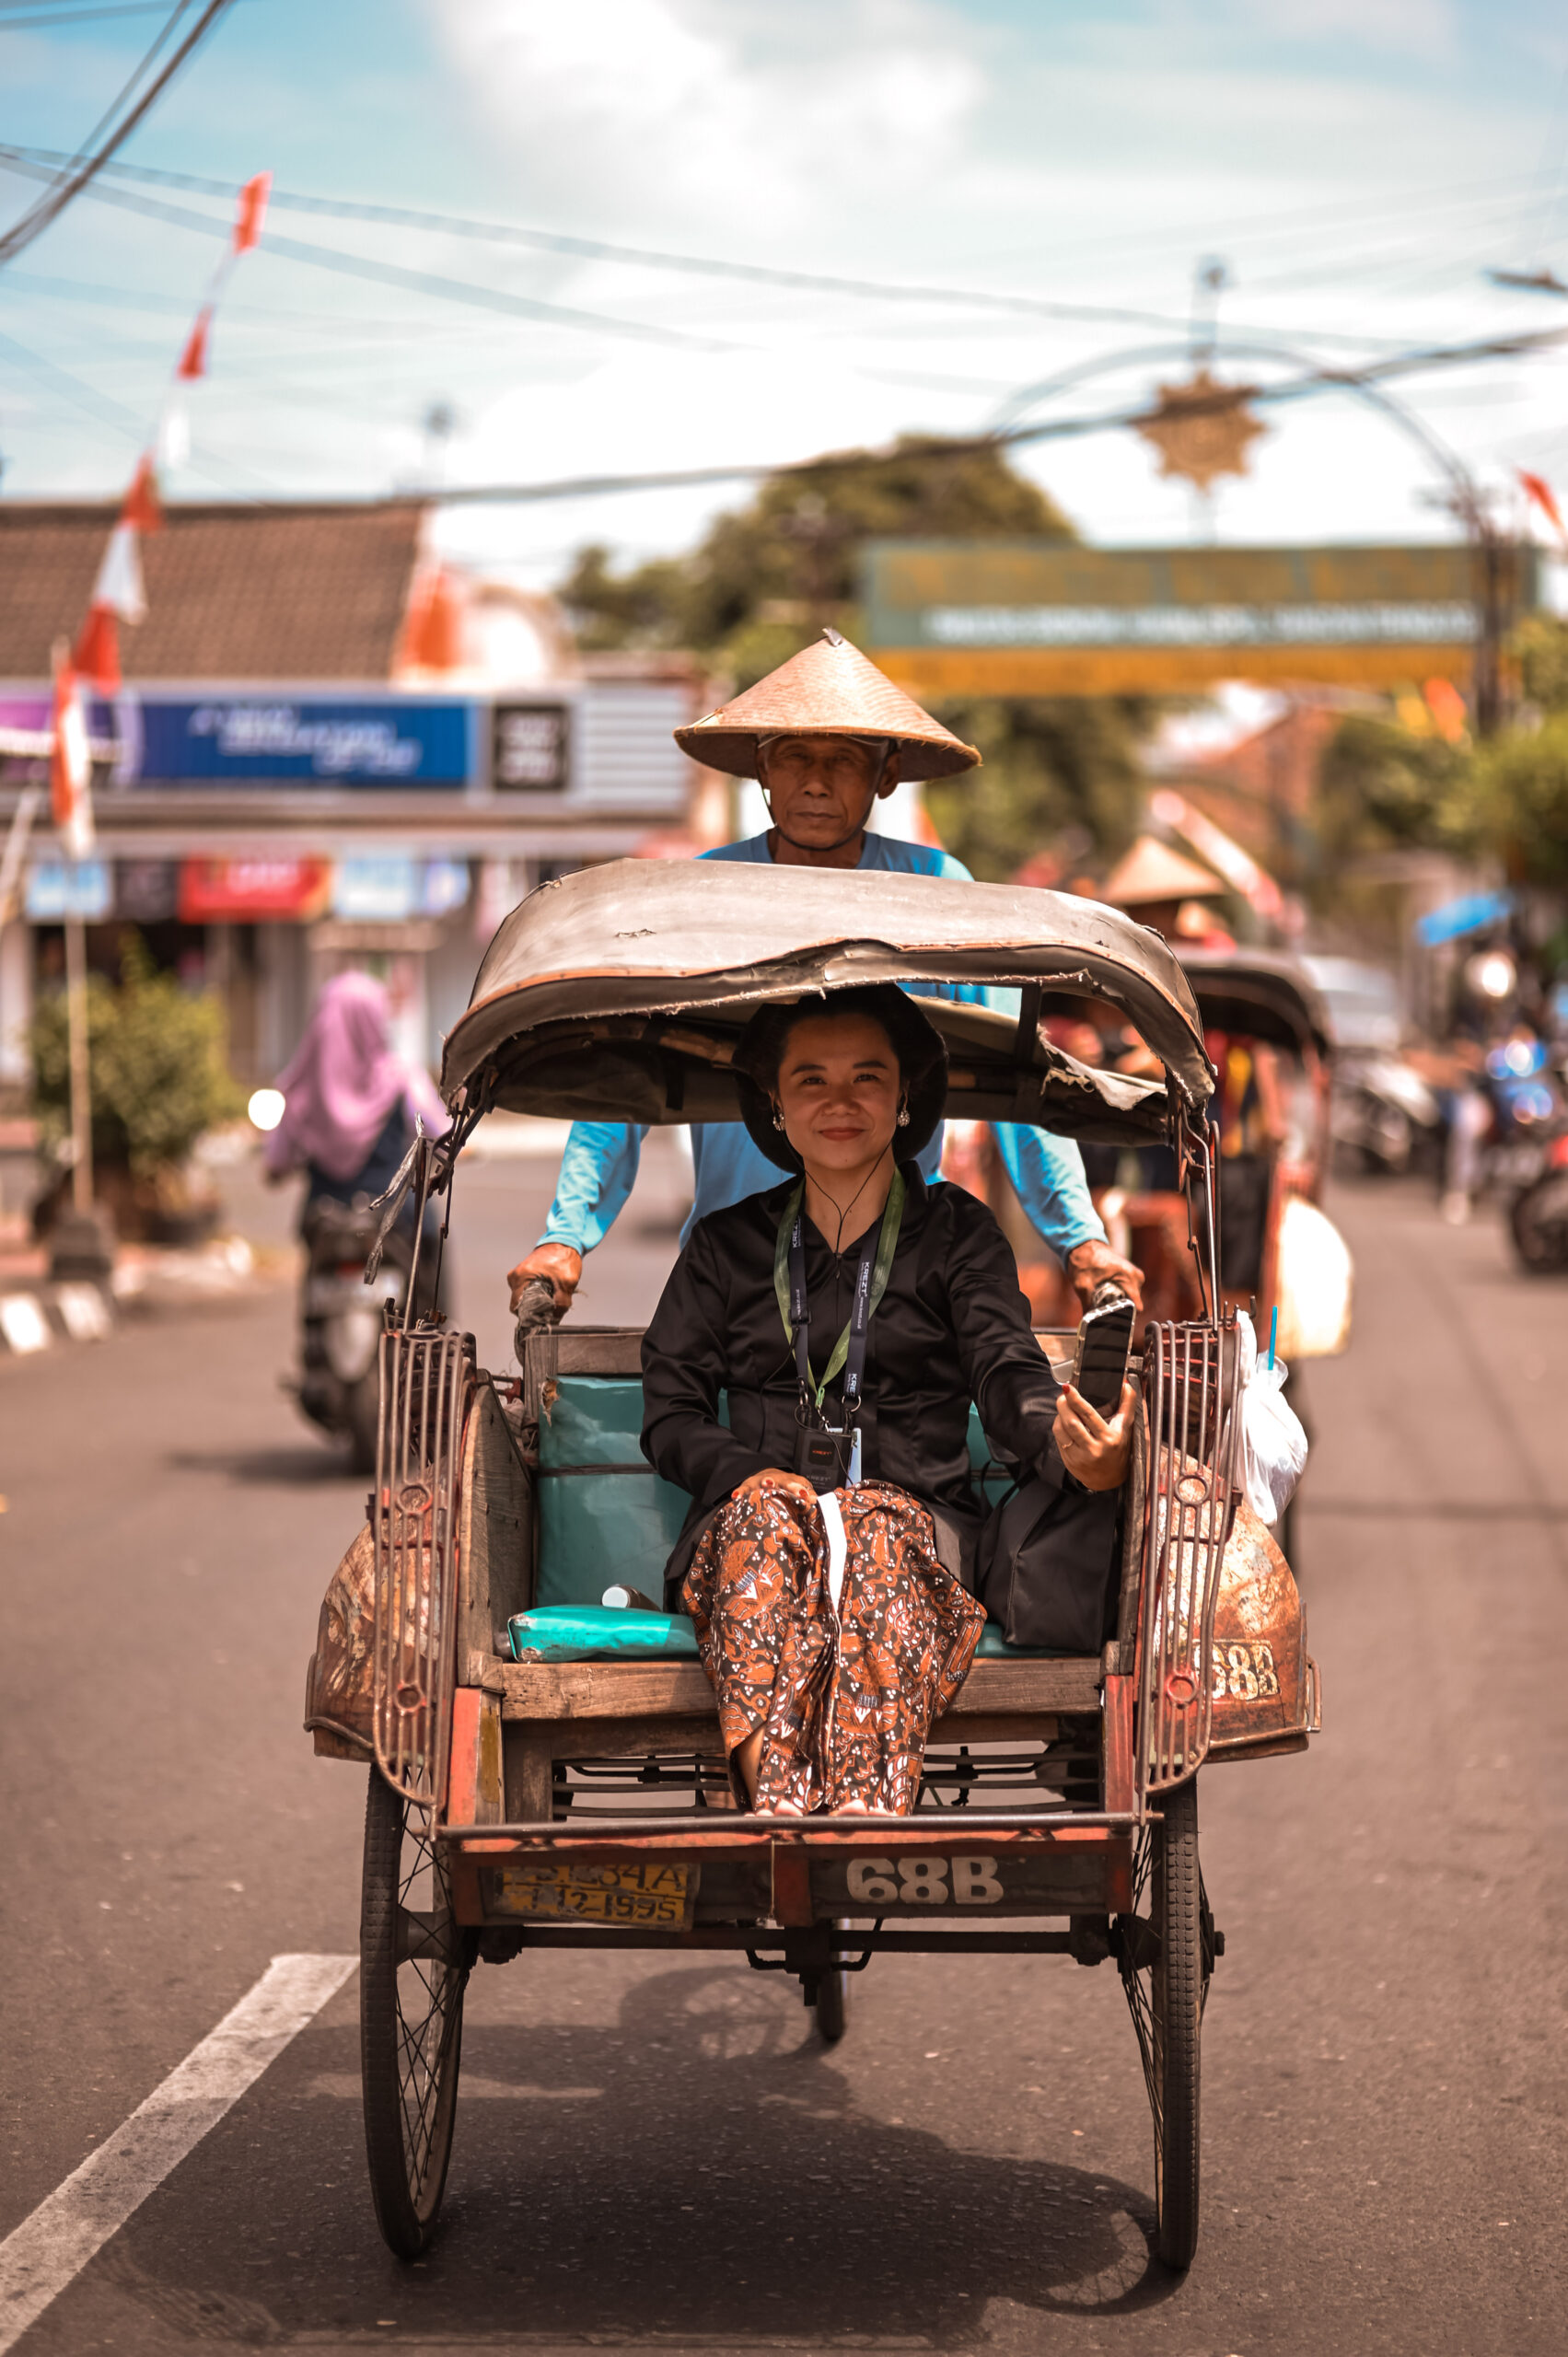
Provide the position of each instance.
(35, 1314)
(45, 1314)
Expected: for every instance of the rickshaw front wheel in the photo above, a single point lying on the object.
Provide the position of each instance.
(1176, 2005)
(1165, 1960)
(413, 1967)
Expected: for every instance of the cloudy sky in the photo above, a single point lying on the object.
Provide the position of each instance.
(1356, 166)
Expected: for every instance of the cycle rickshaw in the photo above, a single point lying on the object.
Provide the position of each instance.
(520, 1804)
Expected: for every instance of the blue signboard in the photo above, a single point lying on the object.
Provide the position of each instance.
(388, 742)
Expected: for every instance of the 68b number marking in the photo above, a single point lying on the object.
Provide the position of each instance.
(923, 1882)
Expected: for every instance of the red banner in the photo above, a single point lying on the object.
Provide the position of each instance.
(252, 891)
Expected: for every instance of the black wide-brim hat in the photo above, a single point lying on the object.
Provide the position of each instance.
(920, 1047)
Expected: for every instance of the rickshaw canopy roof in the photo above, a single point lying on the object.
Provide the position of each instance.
(618, 993)
(1260, 996)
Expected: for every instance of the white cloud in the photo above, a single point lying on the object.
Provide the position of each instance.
(668, 110)
(1420, 29)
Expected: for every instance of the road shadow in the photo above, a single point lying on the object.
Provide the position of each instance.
(292, 1467)
(699, 2174)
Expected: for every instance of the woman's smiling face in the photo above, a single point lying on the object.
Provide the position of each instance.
(838, 1091)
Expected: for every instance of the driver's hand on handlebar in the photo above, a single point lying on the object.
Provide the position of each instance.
(558, 1265)
(1089, 1264)
(1095, 1449)
(773, 1477)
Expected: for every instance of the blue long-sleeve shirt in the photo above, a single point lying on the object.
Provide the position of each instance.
(599, 1166)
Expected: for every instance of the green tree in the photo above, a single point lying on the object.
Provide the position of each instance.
(1540, 646)
(157, 1064)
(1383, 787)
(1519, 802)
(766, 579)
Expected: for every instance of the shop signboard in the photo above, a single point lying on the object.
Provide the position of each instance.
(1028, 617)
(530, 748)
(262, 737)
(58, 889)
(380, 889)
(387, 741)
(253, 890)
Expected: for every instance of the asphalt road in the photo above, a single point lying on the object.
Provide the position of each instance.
(659, 2154)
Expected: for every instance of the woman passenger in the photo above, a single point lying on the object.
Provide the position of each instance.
(829, 1549)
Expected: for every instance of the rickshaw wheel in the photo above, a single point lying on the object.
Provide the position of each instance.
(410, 2017)
(1166, 1991)
(833, 2007)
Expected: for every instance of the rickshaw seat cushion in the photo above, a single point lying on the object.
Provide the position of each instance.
(604, 1632)
(604, 1515)
(600, 1632)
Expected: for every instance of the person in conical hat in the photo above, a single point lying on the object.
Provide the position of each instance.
(1162, 888)
(825, 736)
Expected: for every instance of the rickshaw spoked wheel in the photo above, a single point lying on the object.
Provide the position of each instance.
(1166, 1990)
(414, 1966)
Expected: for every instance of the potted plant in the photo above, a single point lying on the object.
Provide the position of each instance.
(160, 1080)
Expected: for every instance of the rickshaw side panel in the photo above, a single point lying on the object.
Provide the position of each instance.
(495, 1541)
(1261, 1679)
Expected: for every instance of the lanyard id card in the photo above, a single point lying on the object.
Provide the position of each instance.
(819, 1439)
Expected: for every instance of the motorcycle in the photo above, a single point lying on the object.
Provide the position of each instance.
(1386, 1115)
(342, 1318)
(1537, 1213)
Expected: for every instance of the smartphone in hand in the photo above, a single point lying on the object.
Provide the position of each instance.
(1099, 1364)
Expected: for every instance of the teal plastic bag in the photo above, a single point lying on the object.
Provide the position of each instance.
(600, 1632)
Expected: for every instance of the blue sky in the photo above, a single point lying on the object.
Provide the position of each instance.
(1355, 163)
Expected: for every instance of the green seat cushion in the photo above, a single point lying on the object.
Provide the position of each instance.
(600, 1632)
(992, 1648)
(604, 1515)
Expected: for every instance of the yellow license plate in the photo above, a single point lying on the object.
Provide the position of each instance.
(654, 1897)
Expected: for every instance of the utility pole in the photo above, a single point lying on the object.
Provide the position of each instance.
(76, 1028)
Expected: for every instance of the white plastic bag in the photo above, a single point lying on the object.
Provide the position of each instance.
(1273, 1447)
(1313, 1282)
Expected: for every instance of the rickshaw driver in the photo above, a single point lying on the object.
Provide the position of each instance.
(826, 736)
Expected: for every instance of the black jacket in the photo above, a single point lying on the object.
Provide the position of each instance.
(952, 1327)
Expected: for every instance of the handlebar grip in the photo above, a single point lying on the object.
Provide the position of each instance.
(537, 1311)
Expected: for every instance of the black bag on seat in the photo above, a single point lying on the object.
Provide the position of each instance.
(1047, 1556)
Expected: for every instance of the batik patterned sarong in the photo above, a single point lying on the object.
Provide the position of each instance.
(846, 1699)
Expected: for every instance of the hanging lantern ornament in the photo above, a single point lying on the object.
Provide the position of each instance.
(1202, 428)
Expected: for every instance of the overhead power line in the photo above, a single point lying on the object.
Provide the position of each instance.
(111, 131)
(938, 448)
(1528, 282)
(9, 24)
(646, 257)
(386, 273)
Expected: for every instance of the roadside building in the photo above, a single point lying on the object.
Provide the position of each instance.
(330, 750)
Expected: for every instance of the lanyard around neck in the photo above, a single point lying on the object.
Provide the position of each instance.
(871, 1284)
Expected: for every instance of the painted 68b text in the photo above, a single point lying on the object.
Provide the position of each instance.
(923, 1881)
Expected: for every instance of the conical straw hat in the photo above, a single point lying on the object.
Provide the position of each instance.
(1153, 871)
(828, 690)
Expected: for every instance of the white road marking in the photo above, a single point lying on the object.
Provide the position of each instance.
(41, 2256)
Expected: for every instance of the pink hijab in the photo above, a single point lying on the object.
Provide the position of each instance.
(344, 1080)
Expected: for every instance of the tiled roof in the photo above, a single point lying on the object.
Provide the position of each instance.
(233, 592)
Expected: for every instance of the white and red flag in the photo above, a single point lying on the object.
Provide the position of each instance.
(69, 763)
(1539, 489)
(119, 595)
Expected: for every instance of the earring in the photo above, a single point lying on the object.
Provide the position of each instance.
(778, 1118)
(904, 1116)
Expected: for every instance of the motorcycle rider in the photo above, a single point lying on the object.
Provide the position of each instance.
(349, 1098)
